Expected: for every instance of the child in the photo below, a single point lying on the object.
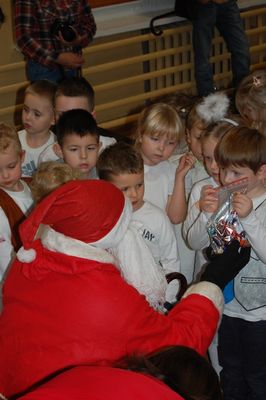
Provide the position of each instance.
(37, 118)
(158, 133)
(241, 153)
(15, 196)
(78, 142)
(203, 202)
(74, 93)
(49, 176)
(251, 100)
(122, 165)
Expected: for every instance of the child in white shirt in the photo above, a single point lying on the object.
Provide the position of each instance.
(158, 133)
(15, 195)
(37, 118)
(122, 165)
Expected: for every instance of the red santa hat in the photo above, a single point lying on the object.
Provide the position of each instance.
(91, 211)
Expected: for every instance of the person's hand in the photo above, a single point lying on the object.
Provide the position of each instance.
(76, 42)
(242, 204)
(185, 164)
(208, 199)
(224, 267)
(70, 60)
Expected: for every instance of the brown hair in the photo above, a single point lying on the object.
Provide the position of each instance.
(9, 137)
(159, 119)
(242, 146)
(49, 176)
(193, 117)
(216, 130)
(117, 159)
(43, 88)
(182, 368)
(76, 87)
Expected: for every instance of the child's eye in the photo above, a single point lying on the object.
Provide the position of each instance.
(154, 138)
(73, 149)
(12, 166)
(37, 114)
(93, 147)
(171, 143)
(25, 109)
(139, 185)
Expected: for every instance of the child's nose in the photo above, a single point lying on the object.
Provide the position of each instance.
(83, 153)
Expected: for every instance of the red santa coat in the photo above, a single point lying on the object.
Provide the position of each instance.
(61, 311)
(101, 383)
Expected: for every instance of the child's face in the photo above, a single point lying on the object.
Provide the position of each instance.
(208, 146)
(155, 149)
(255, 180)
(66, 103)
(132, 185)
(81, 153)
(10, 169)
(193, 139)
(37, 114)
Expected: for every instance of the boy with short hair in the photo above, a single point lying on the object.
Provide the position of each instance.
(122, 165)
(37, 118)
(73, 93)
(241, 153)
(15, 196)
(78, 141)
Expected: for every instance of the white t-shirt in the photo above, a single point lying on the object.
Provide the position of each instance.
(194, 226)
(30, 163)
(49, 155)
(159, 183)
(157, 232)
(186, 254)
(25, 202)
(250, 284)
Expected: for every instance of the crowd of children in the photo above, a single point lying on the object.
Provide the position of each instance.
(172, 190)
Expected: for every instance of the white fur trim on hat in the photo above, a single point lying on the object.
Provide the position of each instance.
(209, 290)
(118, 232)
(26, 256)
(58, 242)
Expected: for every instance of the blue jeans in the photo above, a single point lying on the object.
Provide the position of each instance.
(242, 356)
(226, 17)
(37, 71)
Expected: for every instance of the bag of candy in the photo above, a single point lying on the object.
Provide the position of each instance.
(224, 225)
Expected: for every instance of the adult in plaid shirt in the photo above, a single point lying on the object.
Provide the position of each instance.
(48, 54)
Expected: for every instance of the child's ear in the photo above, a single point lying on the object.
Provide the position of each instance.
(57, 149)
(262, 172)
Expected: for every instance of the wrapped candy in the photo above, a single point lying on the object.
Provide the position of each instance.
(224, 225)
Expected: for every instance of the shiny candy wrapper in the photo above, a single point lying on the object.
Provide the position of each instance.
(224, 225)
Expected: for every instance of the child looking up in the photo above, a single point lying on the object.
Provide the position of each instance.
(70, 94)
(37, 118)
(241, 153)
(158, 133)
(15, 195)
(78, 141)
(251, 100)
(122, 165)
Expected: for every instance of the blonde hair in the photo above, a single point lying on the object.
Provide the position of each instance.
(241, 146)
(49, 176)
(9, 137)
(43, 88)
(159, 119)
(216, 130)
(251, 93)
(193, 116)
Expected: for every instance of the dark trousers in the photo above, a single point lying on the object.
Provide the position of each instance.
(226, 17)
(242, 356)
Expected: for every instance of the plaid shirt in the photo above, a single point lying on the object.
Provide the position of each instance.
(33, 21)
